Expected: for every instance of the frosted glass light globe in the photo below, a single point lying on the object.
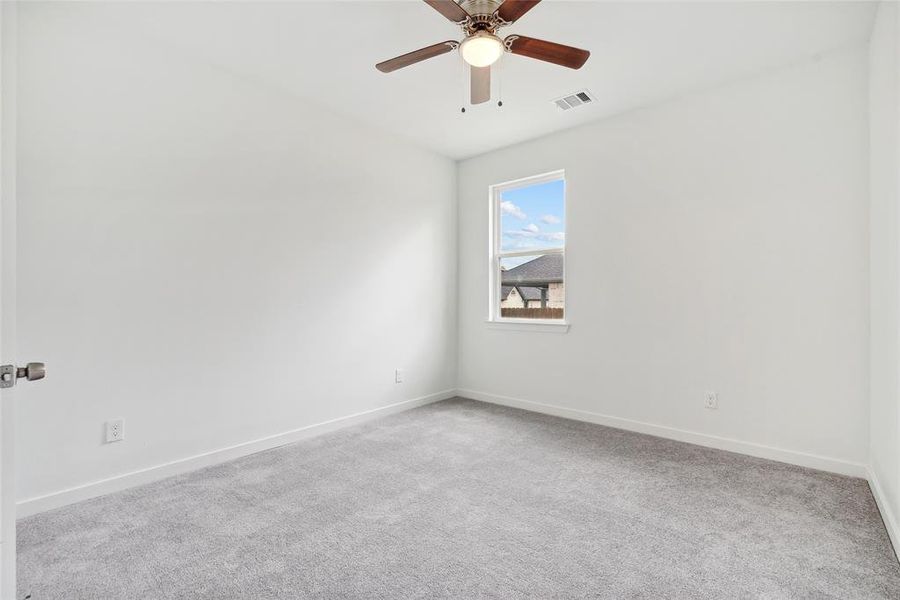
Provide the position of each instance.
(481, 49)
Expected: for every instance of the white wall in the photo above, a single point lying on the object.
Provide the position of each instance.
(211, 259)
(216, 261)
(884, 111)
(716, 242)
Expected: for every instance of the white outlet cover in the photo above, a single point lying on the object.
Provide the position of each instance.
(398, 376)
(711, 400)
(115, 430)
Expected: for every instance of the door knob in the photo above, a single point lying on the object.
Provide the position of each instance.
(32, 372)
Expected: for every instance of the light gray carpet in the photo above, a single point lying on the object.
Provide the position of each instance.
(467, 500)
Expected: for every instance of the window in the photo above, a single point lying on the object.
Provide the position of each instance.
(528, 248)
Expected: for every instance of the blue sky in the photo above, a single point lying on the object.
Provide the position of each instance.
(533, 217)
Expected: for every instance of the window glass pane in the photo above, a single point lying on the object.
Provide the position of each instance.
(533, 217)
(532, 287)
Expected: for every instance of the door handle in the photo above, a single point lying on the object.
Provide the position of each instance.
(31, 372)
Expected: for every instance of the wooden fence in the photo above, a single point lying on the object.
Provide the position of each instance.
(532, 313)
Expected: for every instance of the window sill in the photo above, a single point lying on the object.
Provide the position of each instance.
(532, 325)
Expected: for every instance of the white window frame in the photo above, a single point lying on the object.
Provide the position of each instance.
(494, 314)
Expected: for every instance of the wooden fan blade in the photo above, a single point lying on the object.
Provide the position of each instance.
(480, 84)
(415, 56)
(449, 9)
(512, 10)
(565, 56)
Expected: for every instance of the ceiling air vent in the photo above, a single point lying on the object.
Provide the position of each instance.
(574, 100)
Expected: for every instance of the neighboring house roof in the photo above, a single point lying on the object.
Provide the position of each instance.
(541, 271)
(530, 293)
(526, 293)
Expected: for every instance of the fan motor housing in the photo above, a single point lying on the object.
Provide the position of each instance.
(481, 7)
(482, 16)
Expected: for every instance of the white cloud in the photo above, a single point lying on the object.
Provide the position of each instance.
(519, 244)
(556, 236)
(532, 228)
(508, 208)
(550, 219)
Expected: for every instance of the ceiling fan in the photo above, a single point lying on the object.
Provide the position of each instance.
(480, 20)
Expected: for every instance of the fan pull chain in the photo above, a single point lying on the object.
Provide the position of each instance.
(500, 82)
(463, 86)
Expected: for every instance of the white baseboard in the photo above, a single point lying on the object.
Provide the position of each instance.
(813, 461)
(887, 513)
(31, 506)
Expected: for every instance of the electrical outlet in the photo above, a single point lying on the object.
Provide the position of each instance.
(115, 430)
(398, 376)
(711, 400)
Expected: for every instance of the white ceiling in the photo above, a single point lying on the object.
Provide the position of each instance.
(642, 53)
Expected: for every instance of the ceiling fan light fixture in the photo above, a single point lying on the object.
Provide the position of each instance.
(482, 49)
